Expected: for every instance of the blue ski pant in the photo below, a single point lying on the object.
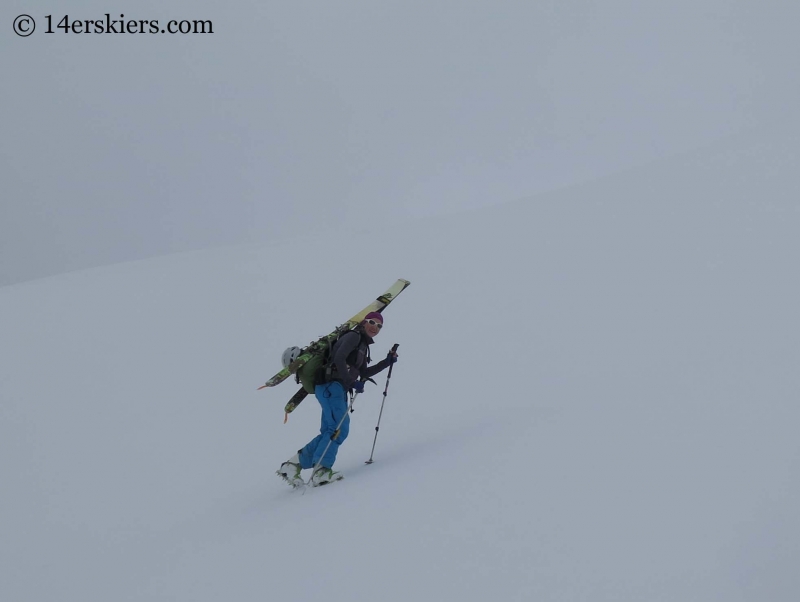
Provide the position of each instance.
(333, 399)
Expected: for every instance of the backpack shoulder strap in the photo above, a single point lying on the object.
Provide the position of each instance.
(327, 363)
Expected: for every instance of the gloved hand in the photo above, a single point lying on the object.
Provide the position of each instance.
(358, 386)
(392, 357)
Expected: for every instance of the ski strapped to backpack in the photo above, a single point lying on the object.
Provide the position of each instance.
(318, 352)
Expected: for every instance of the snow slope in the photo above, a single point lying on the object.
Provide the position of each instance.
(596, 399)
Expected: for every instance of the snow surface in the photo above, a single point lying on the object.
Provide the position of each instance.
(596, 399)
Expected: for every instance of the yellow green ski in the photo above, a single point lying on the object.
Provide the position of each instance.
(322, 343)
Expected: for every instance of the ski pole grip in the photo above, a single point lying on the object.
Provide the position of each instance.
(391, 365)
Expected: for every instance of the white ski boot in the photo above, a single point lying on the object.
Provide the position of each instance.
(323, 476)
(290, 471)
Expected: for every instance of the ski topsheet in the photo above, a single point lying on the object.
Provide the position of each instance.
(308, 352)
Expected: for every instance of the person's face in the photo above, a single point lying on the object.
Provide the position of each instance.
(372, 327)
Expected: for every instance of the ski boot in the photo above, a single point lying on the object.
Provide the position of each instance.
(323, 476)
(290, 471)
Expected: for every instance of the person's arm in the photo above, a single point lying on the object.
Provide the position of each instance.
(380, 366)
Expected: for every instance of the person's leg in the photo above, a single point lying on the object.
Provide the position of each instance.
(333, 400)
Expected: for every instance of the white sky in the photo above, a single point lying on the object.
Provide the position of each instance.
(303, 116)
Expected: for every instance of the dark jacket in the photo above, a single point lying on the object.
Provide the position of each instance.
(350, 356)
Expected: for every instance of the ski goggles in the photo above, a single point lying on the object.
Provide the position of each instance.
(375, 323)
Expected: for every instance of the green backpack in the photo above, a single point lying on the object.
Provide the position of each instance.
(313, 372)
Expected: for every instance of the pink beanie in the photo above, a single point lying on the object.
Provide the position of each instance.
(374, 315)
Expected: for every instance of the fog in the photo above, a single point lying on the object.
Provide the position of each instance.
(302, 118)
(596, 399)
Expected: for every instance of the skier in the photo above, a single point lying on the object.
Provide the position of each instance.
(346, 371)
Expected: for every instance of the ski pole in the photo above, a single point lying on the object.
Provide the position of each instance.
(385, 391)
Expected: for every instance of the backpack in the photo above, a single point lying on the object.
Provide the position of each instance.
(316, 371)
(309, 373)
